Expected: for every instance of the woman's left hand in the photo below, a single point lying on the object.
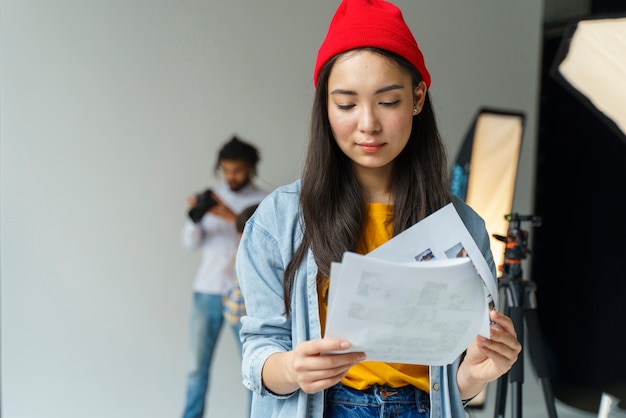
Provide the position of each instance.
(487, 359)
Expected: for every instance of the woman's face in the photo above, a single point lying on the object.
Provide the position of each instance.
(370, 109)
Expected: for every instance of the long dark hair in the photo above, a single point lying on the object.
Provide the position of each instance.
(331, 201)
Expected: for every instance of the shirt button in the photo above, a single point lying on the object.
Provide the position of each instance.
(436, 386)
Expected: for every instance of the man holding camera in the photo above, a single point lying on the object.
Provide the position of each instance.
(211, 227)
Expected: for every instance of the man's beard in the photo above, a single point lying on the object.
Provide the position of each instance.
(238, 186)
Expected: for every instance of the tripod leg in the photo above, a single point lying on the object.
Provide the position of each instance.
(501, 396)
(535, 345)
(515, 376)
(503, 381)
(517, 371)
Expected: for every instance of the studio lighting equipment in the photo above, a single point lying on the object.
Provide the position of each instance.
(591, 63)
(485, 171)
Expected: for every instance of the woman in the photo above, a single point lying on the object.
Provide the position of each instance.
(375, 166)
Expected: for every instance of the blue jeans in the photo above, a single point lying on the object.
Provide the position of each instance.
(206, 324)
(379, 401)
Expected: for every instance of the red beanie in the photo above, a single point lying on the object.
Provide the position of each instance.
(373, 23)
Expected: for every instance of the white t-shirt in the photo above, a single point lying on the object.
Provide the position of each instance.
(218, 240)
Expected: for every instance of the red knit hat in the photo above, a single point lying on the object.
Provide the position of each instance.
(374, 23)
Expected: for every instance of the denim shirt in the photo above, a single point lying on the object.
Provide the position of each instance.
(270, 238)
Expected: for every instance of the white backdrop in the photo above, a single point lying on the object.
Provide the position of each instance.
(111, 113)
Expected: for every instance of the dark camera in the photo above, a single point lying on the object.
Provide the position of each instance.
(204, 202)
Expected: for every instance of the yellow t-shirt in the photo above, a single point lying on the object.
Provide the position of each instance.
(377, 230)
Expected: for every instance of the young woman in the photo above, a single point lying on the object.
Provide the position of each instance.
(375, 166)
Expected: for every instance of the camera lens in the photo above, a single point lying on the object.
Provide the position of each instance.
(204, 202)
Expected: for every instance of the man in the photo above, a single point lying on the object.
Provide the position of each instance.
(215, 233)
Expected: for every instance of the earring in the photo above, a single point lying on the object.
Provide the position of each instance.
(415, 111)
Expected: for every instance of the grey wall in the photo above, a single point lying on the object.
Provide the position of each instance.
(111, 113)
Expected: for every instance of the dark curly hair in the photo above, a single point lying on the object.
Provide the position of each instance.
(238, 150)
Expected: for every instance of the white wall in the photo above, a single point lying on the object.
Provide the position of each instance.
(111, 113)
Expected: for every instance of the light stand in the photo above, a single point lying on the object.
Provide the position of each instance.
(521, 308)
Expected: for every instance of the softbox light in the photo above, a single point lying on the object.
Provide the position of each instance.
(591, 63)
(485, 170)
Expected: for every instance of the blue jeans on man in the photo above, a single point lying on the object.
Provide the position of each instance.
(206, 323)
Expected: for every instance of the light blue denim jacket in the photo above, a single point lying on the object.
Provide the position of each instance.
(270, 238)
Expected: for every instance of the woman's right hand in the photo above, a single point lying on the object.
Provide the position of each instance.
(309, 366)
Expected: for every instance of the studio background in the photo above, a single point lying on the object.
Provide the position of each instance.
(111, 114)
